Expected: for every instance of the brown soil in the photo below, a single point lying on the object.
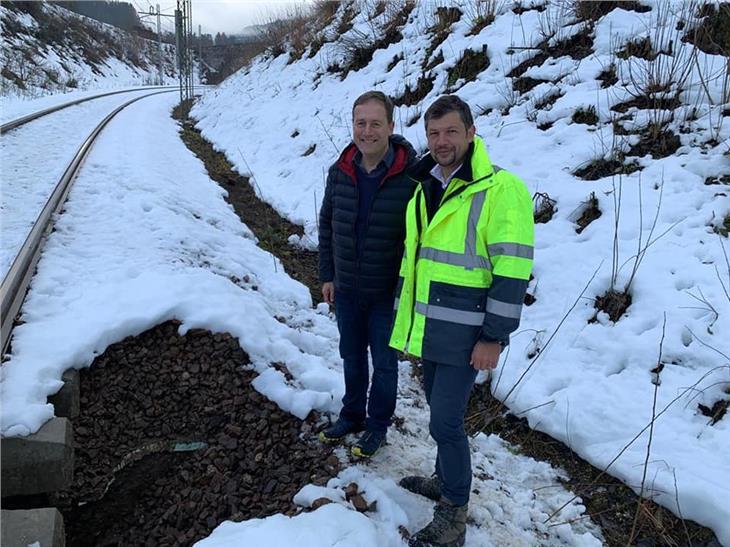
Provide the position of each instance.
(614, 303)
(601, 167)
(523, 84)
(585, 115)
(519, 9)
(547, 100)
(545, 208)
(609, 503)
(660, 143)
(712, 35)
(720, 179)
(579, 46)
(446, 17)
(590, 213)
(467, 68)
(411, 97)
(647, 103)
(394, 61)
(270, 228)
(717, 411)
(608, 76)
(593, 11)
(537, 60)
(640, 48)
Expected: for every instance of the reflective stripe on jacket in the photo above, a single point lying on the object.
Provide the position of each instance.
(465, 271)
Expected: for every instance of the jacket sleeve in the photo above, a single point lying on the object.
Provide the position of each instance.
(326, 256)
(510, 243)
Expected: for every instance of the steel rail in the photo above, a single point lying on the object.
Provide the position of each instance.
(16, 281)
(4, 128)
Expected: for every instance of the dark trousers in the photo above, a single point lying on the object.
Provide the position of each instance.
(447, 390)
(364, 324)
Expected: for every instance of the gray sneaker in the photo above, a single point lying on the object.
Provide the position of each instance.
(424, 486)
(447, 529)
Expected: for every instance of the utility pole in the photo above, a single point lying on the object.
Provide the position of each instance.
(200, 54)
(159, 46)
(191, 83)
(158, 14)
(183, 39)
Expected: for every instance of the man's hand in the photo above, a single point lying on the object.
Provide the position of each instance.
(485, 355)
(328, 292)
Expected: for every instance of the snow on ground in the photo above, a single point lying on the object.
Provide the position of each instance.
(147, 237)
(12, 107)
(512, 496)
(139, 245)
(31, 172)
(592, 385)
(57, 50)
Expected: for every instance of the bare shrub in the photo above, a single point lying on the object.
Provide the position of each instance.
(586, 115)
(655, 69)
(710, 32)
(287, 27)
(445, 18)
(544, 208)
(359, 47)
(467, 68)
(587, 213)
(482, 14)
(593, 11)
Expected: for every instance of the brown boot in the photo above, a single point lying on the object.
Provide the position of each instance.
(447, 529)
(424, 486)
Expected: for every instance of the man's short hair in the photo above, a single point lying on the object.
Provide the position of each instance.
(375, 96)
(449, 103)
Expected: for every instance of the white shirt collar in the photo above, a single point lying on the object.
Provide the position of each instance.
(438, 174)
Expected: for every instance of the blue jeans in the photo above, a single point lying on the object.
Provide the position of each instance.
(447, 390)
(364, 324)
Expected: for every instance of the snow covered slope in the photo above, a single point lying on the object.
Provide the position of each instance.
(49, 49)
(617, 112)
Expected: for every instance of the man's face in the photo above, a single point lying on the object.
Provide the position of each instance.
(448, 139)
(371, 129)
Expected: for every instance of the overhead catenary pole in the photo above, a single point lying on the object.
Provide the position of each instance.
(160, 57)
(159, 48)
(183, 38)
(191, 84)
(179, 46)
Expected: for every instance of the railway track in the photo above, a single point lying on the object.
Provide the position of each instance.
(18, 122)
(15, 282)
(178, 453)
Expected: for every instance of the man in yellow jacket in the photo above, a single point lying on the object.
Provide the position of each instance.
(467, 262)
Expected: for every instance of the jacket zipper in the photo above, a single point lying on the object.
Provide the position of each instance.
(415, 263)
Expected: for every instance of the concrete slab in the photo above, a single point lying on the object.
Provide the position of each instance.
(31, 526)
(66, 402)
(39, 463)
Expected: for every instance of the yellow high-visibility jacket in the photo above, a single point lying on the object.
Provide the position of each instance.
(466, 265)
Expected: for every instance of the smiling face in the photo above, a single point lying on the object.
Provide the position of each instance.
(371, 129)
(449, 140)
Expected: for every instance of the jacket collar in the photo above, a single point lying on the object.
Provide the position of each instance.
(476, 166)
(402, 154)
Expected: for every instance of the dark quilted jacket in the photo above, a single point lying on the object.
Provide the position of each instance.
(376, 273)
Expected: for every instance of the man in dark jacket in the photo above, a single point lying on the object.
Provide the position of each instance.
(361, 233)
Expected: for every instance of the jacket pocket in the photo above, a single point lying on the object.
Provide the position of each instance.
(454, 318)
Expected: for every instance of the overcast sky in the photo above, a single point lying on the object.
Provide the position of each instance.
(229, 16)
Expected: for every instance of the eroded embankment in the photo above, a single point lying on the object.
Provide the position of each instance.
(172, 440)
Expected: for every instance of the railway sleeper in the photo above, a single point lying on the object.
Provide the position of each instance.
(34, 468)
